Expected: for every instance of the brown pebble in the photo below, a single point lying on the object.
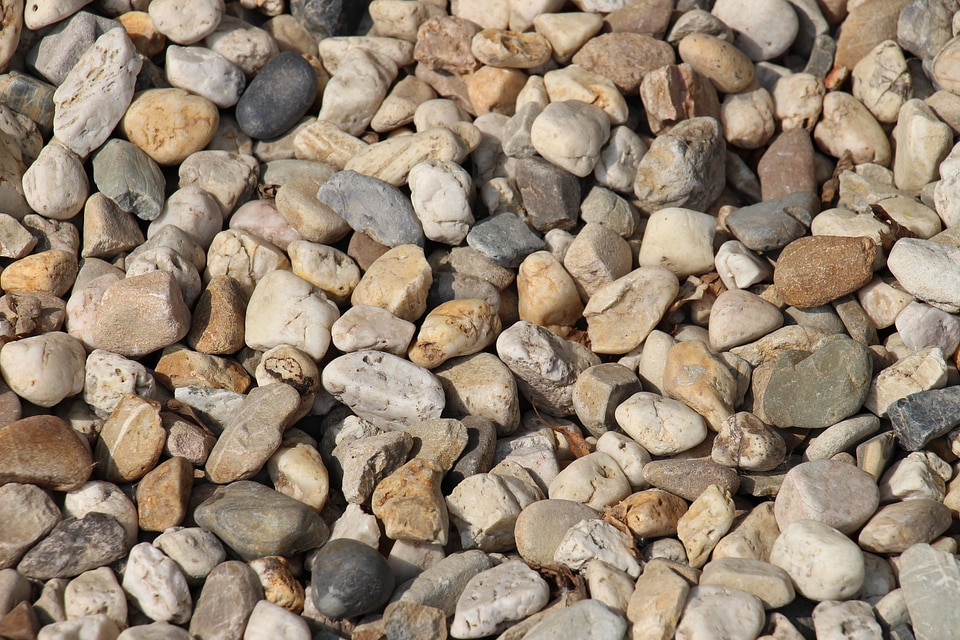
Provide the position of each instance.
(815, 270)
(218, 317)
(624, 58)
(788, 165)
(443, 44)
(495, 90)
(131, 440)
(676, 92)
(653, 513)
(163, 495)
(649, 17)
(181, 367)
(44, 450)
(869, 24)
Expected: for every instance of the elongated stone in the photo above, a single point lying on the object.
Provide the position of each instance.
(94, 95)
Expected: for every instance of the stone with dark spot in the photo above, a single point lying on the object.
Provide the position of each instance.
(76, 545)
(477, 456)
(350, 579)
(277, 97)
(921, 417)
(551, 196)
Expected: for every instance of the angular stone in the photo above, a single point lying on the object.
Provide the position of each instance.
(707, 520)
(410, 505)
(838, 372)
(702, 380)
(30, 513)
(928, 577)
(497, 597)
(747, 443)
(920, 417)
(45, 451)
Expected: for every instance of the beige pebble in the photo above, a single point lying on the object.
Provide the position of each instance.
(131, 440)
(397, 281)
(730, 70)
(847, 125)
(455, 328)
(170, 124)
(500, 48)
(567, 32)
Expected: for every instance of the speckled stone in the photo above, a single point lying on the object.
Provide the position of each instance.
(689, 478)
(277, 97)
(815, 270)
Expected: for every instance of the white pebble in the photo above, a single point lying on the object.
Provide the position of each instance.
(597, 540)
(44, 369)
(156, 584)
(496, 597)
(662, 426)
(440, 193)
(269, 620)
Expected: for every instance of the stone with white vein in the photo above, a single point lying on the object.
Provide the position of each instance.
(155, 583)
(96, 93)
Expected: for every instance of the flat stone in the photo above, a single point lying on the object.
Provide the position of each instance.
(895, 527)
(45, 451)
(74, 546)
(423, 399)
(590, 619)
(227, 599)
(922, 567)
(839, 365)
(256, 521)
(690, 478)
(769, 583)
(441, 585)
(920, 417)
(253, 434)
(773, 224)
(101, 83)
(841, 437)
(642, 295)
(852, 502)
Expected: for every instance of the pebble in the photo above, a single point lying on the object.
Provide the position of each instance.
(205, 73)
(45, 451)
(599, 391)
(74, 546)
(227, 599)
(283, 525)
(881, 81)
(847, 125)
(763, 31)
(272, 619)
(701, 50)
(658, 601)
(808, 269)
(454, 328)
(156, 585)
(196, 551)
(596, 480)
(708, 519)
(701, 380)
(92, 98)
(497, 597)
(410, 504)
(839, 369)
(679, 240)
(738, 317)
(920, 417)
(852, 502)
(642, 295)
(897, 526)
(367, 460)
(663, 426)
(615, 56)
(485, 507)
(690, 478)
(594, 539)
(715, 609)
(823, 563)
(350, 579)
(441, 584)
(589, 619)
(683, 168)
(747, 443)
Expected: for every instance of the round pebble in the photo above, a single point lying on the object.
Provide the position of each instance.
(350, 579)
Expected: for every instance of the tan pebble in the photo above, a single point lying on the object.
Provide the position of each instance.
(443, 44)
(730, 70)
(868, 24)
(218, 317)
(495, 90)
(500, 48)
(752, 537)
(52, 272)
(323, 141)
(279, 584)
(143, 33)
(706, 521)
(397, 281)
(455, 328)
(677, 92)
(141, 314)
(748, 118)
(131, 440)
(409, 504)
(170, 124)
(181, 367)
(847, 125)
(297, 204)
(625, 58)
(699, 378)
(653, 513)
(567, 32)
(547, 295)
(163, 494)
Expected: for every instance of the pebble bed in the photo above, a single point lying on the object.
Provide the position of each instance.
(511, 319)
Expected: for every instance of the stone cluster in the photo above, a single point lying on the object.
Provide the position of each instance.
(526, 319)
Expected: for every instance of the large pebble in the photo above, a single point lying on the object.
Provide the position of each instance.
(823, 563)
(595, 480)
(30, 513)
(895, 527)
(764, 30)
(769, 583)
(545, 365)
(156, 584)
(277, 97)
(45, 451)
(679, 240)
(170, 124)
(454, 328)
(702, 51)
(848, 126)
(541, 526)
(128, 176)
(485, 508)
(928, 270)
(57, 165)
(205, 73)
(707, 520)
(577, 154)
(816, 270)
(817, 390)
(410, 505)
(497, 597)
(227, 599)
(738, 317)
(643, 296)
(286, 309)
(592, 539)
(589, 619)
(663, 426)
(404, 393)
(355, 91)
(256, 521)
(186, 22)
(24, 365)
(725, 611)
(74, 546)
(683, 168)
(701, 380)
(92, 98)
(851, 502)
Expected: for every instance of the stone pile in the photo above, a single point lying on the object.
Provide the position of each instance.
(508, 318)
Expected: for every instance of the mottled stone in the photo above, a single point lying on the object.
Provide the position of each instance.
(816, 270)
(74, 546)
